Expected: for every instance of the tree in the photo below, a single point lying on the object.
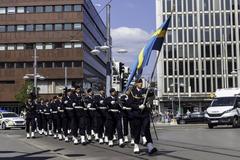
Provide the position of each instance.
(23, 93)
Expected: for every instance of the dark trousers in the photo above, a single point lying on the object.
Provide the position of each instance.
(30, 120)
(88, 122)
(114, 121)
(55, 122)
(72, 122)
(80, 119)
(101, 118)
(63, 123)
(39, 121)
(138, 122)
(47, 122)
(93, 120)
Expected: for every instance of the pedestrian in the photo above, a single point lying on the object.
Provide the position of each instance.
(101, 115)
(114, 118)
(141, 115)
(30, 116)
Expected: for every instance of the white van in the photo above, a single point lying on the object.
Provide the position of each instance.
(225, 108)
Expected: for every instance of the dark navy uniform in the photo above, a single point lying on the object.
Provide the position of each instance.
(47, 118)
(101, 114)
(63, 120)
(80, 112)
(39, 112)
(114, 118)
(55, 116)
(127, 117)
(30, 115)
(90, 118)
(68, 104)
(141, 116)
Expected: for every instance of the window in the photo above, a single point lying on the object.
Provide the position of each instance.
(39, 27)
(2, 65)
(49, 46)
(49, 9)
(20, 46)
(67, 8)
(40, 64)
(48, 64)
(29, 46)
(58, 64)
(67, 45)
(2, 47)
(67, 26)
(77, 26)
(29, 27)
(20, 9)
(11, 28)
(67, 64)
(29, 64)
(29, 9)
(20, 27)
(39, 46)
(58, 8)
(48, 27)
(10, 65)
(10, 47)
(58, 27)
(77, 45)
(11, 10)
(57, 45)
(2, 28)
(2, 10)
(19, 65)
(77, 8)
(77, 64)
(39, 9)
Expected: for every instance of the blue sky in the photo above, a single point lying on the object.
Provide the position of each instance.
(132, 22)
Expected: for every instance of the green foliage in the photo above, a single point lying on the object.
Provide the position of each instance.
(22, 94)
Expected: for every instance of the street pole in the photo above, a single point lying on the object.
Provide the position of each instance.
(179, 102)
(35, 70)
(65, 76)
(109, 53)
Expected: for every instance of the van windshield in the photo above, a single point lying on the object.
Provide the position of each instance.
(224, 101)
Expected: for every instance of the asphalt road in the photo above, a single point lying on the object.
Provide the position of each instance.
(187, 142)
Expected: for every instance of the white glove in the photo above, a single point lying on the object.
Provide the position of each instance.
(142, 106)
(73, 104)
(101, 102)
(113, 102)
(89, 105)
(65, 102)
(59, 108)
(124, 108)
(50, 110)
(126, 98)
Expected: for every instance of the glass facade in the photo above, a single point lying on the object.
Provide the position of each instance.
(201, 45)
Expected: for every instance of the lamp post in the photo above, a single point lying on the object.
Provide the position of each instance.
(35, 77)
(179, 98)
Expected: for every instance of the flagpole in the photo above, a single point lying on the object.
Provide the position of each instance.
(154, 68)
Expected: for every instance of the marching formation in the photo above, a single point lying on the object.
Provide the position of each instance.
(84, 117)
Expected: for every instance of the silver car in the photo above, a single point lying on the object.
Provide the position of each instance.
(10, 120)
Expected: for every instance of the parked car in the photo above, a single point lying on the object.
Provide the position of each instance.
(10, 120)
(195, 117)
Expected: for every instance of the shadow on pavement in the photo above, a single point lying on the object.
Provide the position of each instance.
(26, 156)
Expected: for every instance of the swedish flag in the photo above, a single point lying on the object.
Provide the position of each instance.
(155, 43)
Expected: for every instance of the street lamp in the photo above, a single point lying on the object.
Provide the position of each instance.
(178, 90)
(35, 77)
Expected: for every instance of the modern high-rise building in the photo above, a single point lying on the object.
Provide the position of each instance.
(63, 31)
(201, 51)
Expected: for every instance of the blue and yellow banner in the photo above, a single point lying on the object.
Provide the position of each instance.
(155, 43)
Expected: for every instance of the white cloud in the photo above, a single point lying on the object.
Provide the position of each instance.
(131, 39)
